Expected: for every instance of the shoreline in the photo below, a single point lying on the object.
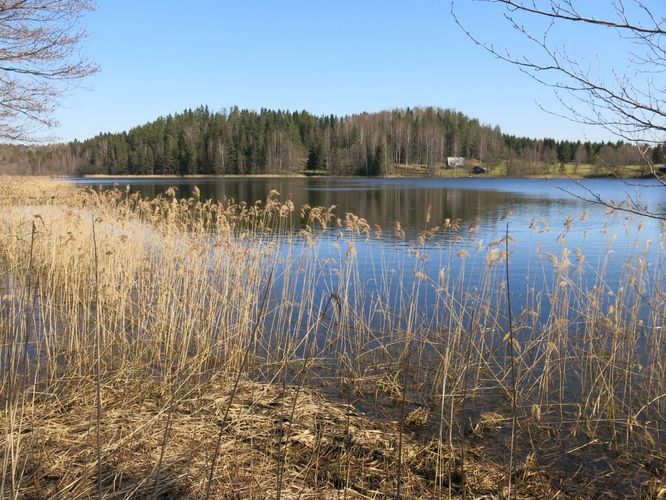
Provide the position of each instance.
(198, 176)
(306, 176)
(330, 433)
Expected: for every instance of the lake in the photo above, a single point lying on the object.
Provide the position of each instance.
(569, 259)
(544, 216)
(586, 282)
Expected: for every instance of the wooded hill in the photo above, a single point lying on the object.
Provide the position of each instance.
(239, 141)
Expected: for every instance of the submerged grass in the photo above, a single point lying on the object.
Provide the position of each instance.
(174, 347)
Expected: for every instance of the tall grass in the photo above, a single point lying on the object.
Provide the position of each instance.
(180, 317)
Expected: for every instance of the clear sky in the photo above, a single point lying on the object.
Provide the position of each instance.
(338, 56)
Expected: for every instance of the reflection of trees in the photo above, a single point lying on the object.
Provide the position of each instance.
(378, 203)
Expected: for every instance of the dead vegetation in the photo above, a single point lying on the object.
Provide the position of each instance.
(183, 321)
(329, 449)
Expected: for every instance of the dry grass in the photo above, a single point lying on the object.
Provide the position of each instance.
(177, 316)
(330, 451)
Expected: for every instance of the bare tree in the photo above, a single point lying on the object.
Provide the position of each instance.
(39, 61)
(628, 99)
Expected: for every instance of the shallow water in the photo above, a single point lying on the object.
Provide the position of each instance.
(543, 217)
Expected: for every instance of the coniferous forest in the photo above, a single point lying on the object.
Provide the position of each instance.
(239, 141)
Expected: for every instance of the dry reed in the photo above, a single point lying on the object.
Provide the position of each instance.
(138, 360)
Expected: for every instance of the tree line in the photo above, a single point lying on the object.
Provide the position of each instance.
(241, 141)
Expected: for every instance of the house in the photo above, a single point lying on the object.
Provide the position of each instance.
(455, 161)
(479, 170)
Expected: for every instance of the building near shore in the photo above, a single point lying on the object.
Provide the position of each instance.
(455, 161)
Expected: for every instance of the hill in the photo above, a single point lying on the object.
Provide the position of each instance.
(241, 141)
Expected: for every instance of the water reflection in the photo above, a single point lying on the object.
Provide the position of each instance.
(409, 201)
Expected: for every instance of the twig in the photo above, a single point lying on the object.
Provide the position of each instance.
(165, 438)
(30, 304)
(282, 453)
(98, 384)
(468, 356)
(260, 315)
(511, 361)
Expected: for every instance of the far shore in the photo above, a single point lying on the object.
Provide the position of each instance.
(202, 176)
(390, 176)
(569, 171)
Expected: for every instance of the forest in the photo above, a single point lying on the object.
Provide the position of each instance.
(243, 142)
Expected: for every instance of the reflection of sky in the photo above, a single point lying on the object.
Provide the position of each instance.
(607, 240)
(384, 201)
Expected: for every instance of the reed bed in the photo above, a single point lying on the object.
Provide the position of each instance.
(170, 347)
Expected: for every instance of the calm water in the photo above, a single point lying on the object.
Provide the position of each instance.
(544, 216)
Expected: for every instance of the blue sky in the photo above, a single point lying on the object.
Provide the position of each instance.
(340, 57)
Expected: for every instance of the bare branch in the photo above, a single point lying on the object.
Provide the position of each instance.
(39, 61)
(565, 11)
(630, 101)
